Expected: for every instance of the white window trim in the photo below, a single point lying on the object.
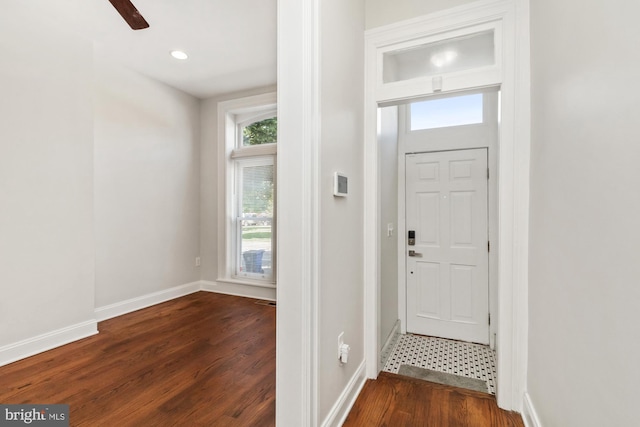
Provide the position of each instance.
(254, 151)
(228, 114)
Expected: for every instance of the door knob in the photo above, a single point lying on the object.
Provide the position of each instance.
(414, 253)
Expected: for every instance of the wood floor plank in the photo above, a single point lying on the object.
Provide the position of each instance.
(202, 360)
(396, 401)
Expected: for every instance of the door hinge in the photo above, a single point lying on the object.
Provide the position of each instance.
(488, 246)
(489, 318)
(487, 173)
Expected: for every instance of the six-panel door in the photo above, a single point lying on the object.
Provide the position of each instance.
(447, 274)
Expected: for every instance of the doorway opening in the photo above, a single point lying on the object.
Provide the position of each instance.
(438, 204)
(509, 72)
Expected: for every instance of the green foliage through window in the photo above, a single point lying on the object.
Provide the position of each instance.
(262, 132)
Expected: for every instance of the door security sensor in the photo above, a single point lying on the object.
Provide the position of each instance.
(340, 184)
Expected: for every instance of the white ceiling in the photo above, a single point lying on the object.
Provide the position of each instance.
(231, 43)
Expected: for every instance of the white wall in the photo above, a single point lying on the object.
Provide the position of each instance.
(584, 296)
(147, 185)
(341, 287)
(384, 12)
(209, 188)
(46, 184)
(388, 172)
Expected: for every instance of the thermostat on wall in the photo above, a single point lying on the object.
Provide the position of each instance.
(339, 184)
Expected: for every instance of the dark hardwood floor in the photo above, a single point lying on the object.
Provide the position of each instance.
(209, 360)
(396, 401)
(201, 360)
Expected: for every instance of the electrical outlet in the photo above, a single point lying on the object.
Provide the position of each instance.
(340, 343)
(197, 261)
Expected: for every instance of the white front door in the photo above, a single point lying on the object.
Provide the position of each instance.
(448, 266)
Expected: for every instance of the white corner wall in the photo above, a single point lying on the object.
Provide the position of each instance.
(584, 296)
(147, 185)
(46, 184)
(209, 189)
(341, 263)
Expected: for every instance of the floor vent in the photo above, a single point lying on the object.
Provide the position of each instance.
(269, 303)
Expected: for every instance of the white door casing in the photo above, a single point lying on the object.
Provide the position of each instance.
(447, 277)
(511, 173)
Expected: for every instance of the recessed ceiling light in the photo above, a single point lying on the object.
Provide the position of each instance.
(178, 54)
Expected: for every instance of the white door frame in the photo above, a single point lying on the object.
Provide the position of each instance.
(513, 181)
(298, 204)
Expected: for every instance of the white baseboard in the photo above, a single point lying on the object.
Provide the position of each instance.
(144, 301)
(343, 405)
(529, 414)
(239, 290)
(31, 346)
(389, 344)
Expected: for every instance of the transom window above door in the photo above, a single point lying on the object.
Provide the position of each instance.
(441, 57)
(446, 112)
(442, 61)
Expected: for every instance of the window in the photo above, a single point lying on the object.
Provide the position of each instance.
(254, 221)
(259, 132)
(437, 58)
(447, 112)
(248, 213)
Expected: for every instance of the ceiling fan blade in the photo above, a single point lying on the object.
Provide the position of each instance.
(128, 11)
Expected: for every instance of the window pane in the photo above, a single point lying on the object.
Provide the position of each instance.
(447, 56)
(256, 247)
(257, 190)
(255, 222)
(446, 112)
(262, 132)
